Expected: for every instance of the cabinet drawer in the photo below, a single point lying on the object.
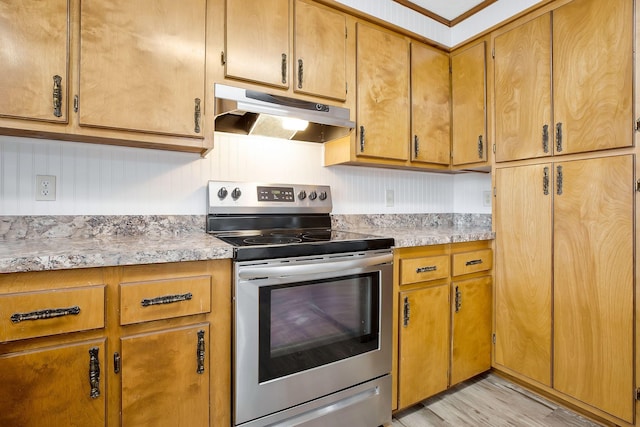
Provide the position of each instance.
(51, 312)
(164, 299)
(471, 262)
(422, 269)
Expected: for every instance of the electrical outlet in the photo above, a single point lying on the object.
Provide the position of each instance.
(486, 198)
(389, 197)
(45, 187)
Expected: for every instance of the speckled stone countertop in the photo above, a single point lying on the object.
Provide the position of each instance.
(39, 243)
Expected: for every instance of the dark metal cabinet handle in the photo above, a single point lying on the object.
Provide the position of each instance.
(545, 138)
(480, 147)
(57, 96)
(559, 137)
(362, 139)
(473, 262)
(300, 73)
(426, 269)
(166, 299)
(48, 313)
(458, 299)
(200, 352)
(117, 362)
(284, 68)
(94, 373)
(559, 180)
(407, 312)
(196, 115)
(416, 146)
(545, 181)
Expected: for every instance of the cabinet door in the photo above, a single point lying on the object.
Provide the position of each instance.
(34, 50)
(320, 47)
(430, 105)
(593, 74)
(523, 91)
(469, 136)
(424, 343)
(471, 349)
(55, 386)
(165, 378)
(383, 94)
(523, 270)
(257, 41)
(142, 65)
(593, 283)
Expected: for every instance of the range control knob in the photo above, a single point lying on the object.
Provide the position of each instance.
(313, 195)
(302, 195)
(236, 193)
(222, 192)
(323, 195)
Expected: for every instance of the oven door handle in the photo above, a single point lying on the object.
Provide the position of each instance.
(262, 272)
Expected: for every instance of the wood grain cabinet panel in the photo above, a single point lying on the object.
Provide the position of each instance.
(257, 41)
(165, 378)
(424, 344)
(320, 56)
(34, 50)
(382, 94)
(430, 105)
(468, 100)
(164, 299)
(51, 312)
(142, 66)
(52, 386)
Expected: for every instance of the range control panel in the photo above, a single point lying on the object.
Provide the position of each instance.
(232, 197)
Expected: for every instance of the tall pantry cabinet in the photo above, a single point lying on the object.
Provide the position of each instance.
(564, 213)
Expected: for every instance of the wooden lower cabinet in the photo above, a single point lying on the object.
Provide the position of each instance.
(443, 318)
(58, 385)
(165, 377)
(128, 346)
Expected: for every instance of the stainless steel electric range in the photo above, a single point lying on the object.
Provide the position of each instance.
(312, 309)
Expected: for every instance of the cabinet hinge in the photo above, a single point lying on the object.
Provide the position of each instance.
(346, 87)
(223, 60)
(493, 53)
(494, 195)
(493, 338)
(346, 32)
(638, 394)
(638, 185)
(638, 125)
(494, 148)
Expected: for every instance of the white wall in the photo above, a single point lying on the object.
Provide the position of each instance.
(108, 180)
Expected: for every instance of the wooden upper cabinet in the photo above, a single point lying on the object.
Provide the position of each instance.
(522, 67)
(382, 94)
(593, 75)
(319, 51)
(34, 52)
(257, 41)
(430, 105)
(468, 97)
(142, 65)
(587, 46)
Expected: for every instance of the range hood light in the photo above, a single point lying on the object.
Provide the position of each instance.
(250, 112)
(291, 123)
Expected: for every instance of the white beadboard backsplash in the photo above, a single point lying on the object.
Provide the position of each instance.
(96, 179)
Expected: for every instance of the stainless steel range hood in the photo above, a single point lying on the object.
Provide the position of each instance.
(250, 112)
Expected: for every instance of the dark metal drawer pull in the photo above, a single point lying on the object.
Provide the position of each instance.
(407, 312)
(57, 96)
(473, 262)
(167, 299)
(94, 373)
(458, 299)
(48, 313)
(426, 269)
(200, 352)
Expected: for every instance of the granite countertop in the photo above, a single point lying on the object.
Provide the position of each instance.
(54, 243)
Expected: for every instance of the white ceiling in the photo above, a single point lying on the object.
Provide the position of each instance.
(450, 9)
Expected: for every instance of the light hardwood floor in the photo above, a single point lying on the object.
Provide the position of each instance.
(488, 400)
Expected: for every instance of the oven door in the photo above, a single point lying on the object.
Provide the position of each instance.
(307, 327)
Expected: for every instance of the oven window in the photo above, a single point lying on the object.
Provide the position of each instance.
(309, 324)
